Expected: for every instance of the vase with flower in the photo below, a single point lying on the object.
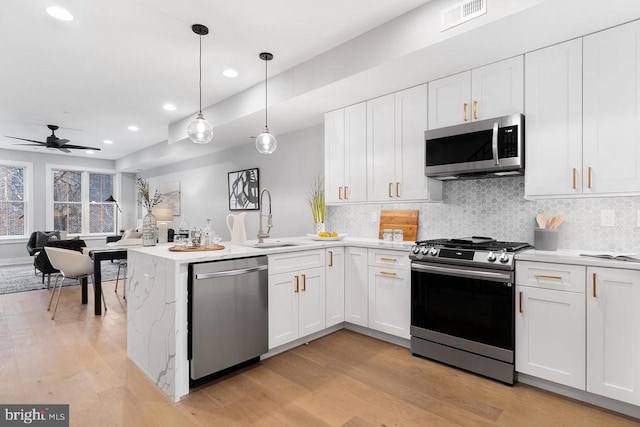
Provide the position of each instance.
(317, 204)
(149, 230)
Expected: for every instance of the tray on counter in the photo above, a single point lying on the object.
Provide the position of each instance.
(196, 248)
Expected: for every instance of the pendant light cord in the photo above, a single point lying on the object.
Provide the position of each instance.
(200, 71)
(265, 94)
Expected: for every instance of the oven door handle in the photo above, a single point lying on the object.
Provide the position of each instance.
(495, 276)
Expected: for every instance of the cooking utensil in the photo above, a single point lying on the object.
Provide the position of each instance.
(555, 221)
(541, 220)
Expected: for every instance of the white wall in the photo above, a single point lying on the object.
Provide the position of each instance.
(288, 174)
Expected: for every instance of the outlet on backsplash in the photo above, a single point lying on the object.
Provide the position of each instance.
(608, 218)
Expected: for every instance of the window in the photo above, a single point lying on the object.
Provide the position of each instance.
(14, 180)
(79, 201)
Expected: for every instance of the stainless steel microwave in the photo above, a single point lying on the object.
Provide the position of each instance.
(486, 148)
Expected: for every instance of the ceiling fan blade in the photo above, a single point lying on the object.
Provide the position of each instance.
(60, 142)
(33, 145)
(79, 147)
(25, 139)
(63, 149)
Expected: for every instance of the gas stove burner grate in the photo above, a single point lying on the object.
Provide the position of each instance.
(476, 243)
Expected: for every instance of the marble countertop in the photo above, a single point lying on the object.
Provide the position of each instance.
(246, 250)
(569, 256)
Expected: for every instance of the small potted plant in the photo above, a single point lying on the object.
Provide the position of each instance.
(317, 204)
(148, 202)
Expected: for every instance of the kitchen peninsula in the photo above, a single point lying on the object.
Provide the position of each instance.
(157, 294)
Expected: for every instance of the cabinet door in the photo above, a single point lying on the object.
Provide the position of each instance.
(449, 100)
(497, 89)
(355, 172)
(612, 110)
(390, 301)
(334, 155)
(283, 309)
(311, 311)
(550, 335)
(553, 111)
(613, 333)
(355, 286)
(335, 286)
(411, 122)
(381, 148)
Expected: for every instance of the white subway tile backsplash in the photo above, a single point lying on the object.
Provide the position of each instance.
(497, 208)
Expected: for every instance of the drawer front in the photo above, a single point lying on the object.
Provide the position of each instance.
(294, 261)
(389, 259)
(564, 277)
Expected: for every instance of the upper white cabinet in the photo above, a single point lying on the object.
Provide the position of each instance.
(553, 111)
(611, 137)
(486, 92)
(395, 147)
(345, 154)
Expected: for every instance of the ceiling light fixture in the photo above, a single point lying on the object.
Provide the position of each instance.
(230, 73)
(265, 142)
(59, 13)
(107, 141)
(199, 130)
(169, 107)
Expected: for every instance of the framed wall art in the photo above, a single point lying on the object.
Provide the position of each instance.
(170, 196)
(244, 190)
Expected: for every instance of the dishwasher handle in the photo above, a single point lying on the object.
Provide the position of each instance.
(226, 273)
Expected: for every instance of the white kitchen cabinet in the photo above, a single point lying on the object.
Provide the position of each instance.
(613, 333)
(296, 295)
(553, 111)
(334, 286)
(395, 147)
(550, 322)
(389, 292)
(355, 286)
(345, 154)
(486, 92)
(611, 112)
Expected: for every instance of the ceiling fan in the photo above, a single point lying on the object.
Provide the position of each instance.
(54, 142)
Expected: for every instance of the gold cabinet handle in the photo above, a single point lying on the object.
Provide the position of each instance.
(389, 259)
(387, 273)
(475, 110)
(330, 258)
(520, 302)
(340, 193)
(464, 111)
(397, 189)
(594, 285)
(346, 193)
(297, 284)
(547, 276)
(304, 282)
(589, 177)
(390, 186)
(574, 178)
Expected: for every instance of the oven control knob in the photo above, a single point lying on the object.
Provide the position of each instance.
(433, 252)
(491, 257)
(415, 249)
(504, 257)
(424, 250)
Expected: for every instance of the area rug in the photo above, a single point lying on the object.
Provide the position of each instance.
(20, 278)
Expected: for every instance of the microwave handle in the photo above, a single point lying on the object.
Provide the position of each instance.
(494, 143)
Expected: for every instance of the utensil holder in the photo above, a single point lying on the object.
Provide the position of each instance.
(545, 239)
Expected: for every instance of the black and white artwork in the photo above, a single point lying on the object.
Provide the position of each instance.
(244, 189)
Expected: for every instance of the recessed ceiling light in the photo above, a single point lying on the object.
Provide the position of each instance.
(169, 107)
(89, 151)
(230, 72)
(133, 128)
(108, 141)
(59, 13)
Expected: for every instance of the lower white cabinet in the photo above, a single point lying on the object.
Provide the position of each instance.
(355, 286)
(389, 292)
(296, 296)
(613, 333)
(335, 286)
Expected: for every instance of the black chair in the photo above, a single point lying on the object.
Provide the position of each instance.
(42, 262)
(36, 242)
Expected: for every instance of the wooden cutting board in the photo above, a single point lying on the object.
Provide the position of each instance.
(400, 219)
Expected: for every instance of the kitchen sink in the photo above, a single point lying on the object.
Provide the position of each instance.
(269, 245)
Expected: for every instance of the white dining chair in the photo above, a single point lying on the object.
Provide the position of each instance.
(72, 265)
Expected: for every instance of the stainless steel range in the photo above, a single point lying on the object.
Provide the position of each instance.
(463, 304)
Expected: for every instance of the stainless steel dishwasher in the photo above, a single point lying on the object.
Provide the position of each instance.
(228, 322)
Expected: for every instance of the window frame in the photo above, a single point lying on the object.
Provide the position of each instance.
(28, 199)
(86, 203)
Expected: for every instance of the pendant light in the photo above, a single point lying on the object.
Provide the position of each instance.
(199, 130)
(265, 142)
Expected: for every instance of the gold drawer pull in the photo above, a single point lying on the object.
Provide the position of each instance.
(475, 110)
(387, 273)
(594, 285)
(397, 189)
(330, 258)
(464, 111)
(297, 284)
(388, 259)
(346, 193)
(340, 193)
(547, 276)
(304, 282)
(520, 303)
(589, 177)
(574, 178)
(390, 186)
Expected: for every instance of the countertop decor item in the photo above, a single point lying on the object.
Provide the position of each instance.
(265, 142)
(400, 219)
(199, 130)
(195, 248)
(317, 204)
(149, 235)
(340, 236)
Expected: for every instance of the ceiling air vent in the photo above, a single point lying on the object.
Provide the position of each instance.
(462, 12)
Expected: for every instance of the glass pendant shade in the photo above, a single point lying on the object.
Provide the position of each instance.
(266, 143)
(199, 130)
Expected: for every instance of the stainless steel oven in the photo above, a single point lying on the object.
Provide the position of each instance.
(462, 304)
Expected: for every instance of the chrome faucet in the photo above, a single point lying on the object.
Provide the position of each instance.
(262, 234)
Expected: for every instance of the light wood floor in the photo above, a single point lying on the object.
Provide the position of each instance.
(344, 379)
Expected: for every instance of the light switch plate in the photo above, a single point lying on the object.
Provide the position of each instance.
(608, 218)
